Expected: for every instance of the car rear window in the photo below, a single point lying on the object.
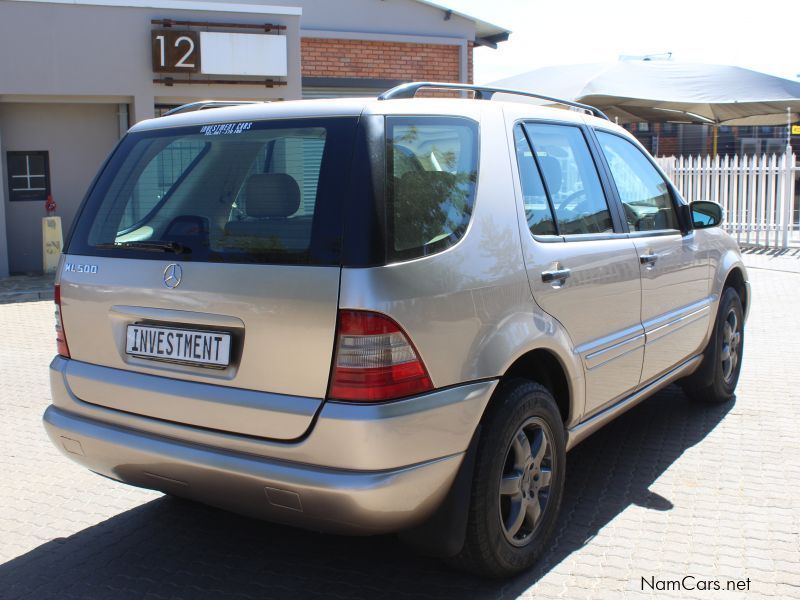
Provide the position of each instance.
(432, 169)
(263, 192)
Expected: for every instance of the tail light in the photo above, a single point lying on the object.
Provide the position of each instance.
(375, 360)
(61, 336)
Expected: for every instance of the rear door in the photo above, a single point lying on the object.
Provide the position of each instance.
(676, 307)
(211, 254)
(582, 269)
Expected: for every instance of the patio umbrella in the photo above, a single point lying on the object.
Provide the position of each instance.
(640, 90)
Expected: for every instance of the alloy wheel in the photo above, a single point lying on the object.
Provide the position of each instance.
(525, 481)
(731, 343)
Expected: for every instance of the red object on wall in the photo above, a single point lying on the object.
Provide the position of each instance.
(50, 205)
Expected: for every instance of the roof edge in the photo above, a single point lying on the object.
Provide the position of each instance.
(483, 29)
(218, 6)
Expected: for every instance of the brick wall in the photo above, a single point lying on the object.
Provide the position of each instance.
(668, 146)
(323, 57)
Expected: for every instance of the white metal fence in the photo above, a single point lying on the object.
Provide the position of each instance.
(758, 193)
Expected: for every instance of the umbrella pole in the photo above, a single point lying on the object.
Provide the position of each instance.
(714, 131)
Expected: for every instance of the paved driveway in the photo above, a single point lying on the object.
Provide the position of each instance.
(670, 489)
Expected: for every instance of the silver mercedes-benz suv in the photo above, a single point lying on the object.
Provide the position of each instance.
(383, 315)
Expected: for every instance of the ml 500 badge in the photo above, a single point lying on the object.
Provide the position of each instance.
(75, 268)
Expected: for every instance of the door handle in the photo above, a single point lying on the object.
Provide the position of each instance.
(556, 275)
(648, 259)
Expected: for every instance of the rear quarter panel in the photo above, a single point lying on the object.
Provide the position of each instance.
(469, 310)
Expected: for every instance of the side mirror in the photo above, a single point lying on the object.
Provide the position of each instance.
(706, 214)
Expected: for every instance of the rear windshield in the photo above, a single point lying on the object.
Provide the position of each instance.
(247, 192)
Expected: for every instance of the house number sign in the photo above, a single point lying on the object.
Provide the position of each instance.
(175, 51)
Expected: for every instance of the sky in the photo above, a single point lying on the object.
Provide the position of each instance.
(761, 35)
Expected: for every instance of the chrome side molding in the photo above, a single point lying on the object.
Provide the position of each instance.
(583, 430)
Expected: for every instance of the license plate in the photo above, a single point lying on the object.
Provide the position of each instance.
(212, 348)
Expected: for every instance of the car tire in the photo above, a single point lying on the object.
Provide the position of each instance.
(716, 379)
(518, 482)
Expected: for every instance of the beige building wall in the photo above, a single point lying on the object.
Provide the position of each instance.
(78, 138)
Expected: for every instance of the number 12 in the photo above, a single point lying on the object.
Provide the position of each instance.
(182, 62)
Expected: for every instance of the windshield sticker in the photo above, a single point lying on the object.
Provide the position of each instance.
(225, 128)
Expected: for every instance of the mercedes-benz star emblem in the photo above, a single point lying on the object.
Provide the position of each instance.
(172, 275)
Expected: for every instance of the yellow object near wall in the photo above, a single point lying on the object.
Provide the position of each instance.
(52, 242)
(795, 129)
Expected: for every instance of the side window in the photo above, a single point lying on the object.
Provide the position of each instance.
(571, 176)
(644, 193)
(432, 168)
(165, 168)
(537, 208)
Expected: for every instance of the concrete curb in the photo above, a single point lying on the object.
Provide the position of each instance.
(26, 288)
(26, 296)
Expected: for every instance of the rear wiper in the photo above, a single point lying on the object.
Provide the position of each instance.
(148, 246)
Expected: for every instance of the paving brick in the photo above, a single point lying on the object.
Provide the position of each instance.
(669, 489)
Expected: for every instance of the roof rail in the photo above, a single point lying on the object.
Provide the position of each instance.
(409, 90)
(206, 104)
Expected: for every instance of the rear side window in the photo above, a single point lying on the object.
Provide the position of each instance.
(263, 192)
(572, 180)
(644, 192)
(432, 169)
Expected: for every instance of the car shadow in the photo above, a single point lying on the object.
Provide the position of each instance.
(769, 251)
(172, 548)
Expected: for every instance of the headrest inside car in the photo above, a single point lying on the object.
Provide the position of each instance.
(552, 173)
(272, 196)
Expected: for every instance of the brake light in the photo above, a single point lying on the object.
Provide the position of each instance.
(375, 360)
(61, 336)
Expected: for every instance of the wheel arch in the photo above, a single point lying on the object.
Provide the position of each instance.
(727, 268)
(545, 367)
(736, 279)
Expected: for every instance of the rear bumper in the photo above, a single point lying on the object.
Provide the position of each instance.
(361, 469)
(303, 495)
